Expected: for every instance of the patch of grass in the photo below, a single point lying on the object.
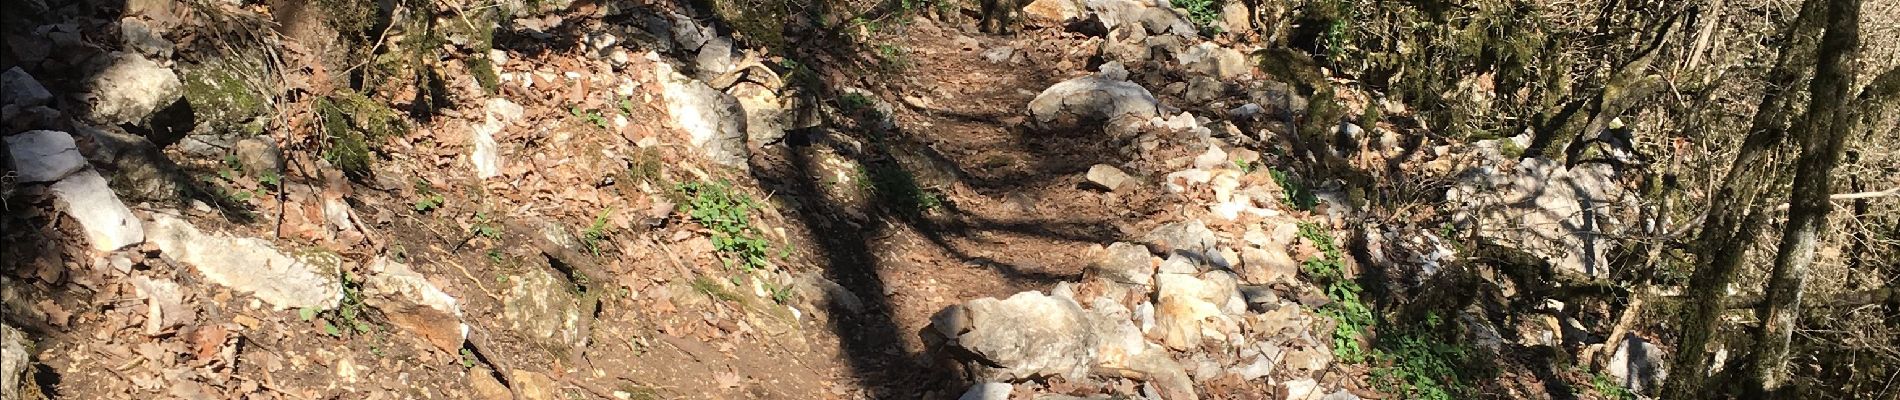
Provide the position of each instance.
(853, 102)
(484, 72)
(728, 213)
(1293, 193)
(1205, 14)
(591, 237)
(1244, 166)
(894, 58)
(1351, 315)
(897, 188)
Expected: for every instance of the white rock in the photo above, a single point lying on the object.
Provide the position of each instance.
(131, 88)
(1107, 176)
(14, 361)
(19, 88)
(1638, 365)
(715, 57)
(988, 391)
(1027, 335)
(1053, 10)
(1092, 99)
(485, 152)
(1214, 158)
(1299, 389)
(109, 225)
(998, 55)
(415, 304)
(44, 156)
(1215, 60)
(713, 120)
(1191, 309)
(250, 265)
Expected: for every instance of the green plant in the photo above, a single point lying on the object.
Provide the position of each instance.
(591, 237)
(426, 197)
(728, 213)
(894, 58)
(853, 102)
(1293, 193)
(468, 358)
(485, 227)
(1606, 385)
(350, 314)
(711, 288)
(1205, 14)
(1422, 363)
(591, 115)
(1351, 315)
(1244, 166)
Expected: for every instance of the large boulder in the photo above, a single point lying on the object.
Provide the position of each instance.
(251, 265)
(1191, 309)
(1566, 215)
(713, 120)
(129, 88)
(1026, 336)
(1053, 10)
(44, 156)
(544, 307)
(1099, 98)
(1155, 16)
(1638, 365)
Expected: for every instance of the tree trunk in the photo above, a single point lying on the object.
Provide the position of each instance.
(1822, 135)
(1735, 214)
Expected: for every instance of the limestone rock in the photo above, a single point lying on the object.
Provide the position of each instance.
(1568, 216)
(1125, 263)
(130, 88)
(1092, 99)
(20, 89)
(1267, 266)
(251, 265)
(140, 170)
(258, 155)
(1190, 238)
(1152, 15)
(1191, 309)
(109, 225)
(15, 360)
(543, 307)
(164, 303)
(1303, 388)
(1236, 18)
(44, 156)
(1214, 60)
(144, 38)
(1638, 365)
(714, 58)
(713, 120)
(1025, 336)
(530, 385)
(1202, 89)
(1108, 177)
(485, 152)
(415, 304)
(766, 118)
(988, 391)
(1056, 11)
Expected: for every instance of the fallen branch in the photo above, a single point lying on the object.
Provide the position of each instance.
(1852, 196)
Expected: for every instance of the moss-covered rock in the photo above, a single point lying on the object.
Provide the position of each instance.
(221, 97)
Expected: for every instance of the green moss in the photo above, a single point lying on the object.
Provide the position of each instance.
(219, 95)
(484, 72)
(353, 124)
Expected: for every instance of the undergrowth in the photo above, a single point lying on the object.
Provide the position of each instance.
(728, 213)
(1205, 14)
(1293, 193)
(897, 188)
(1416, 362)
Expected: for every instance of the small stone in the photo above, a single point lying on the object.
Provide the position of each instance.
(1126, 263)
(1299, 388)
(988, 391)
(1053, 10)
(482, 382)
(109, 225)
(1107, 177)
(998, 55)
(1202, 89)
(44, 156)
(142, 37)
(1267, 266)
(715, 57)
(258, 155)
(1236, 19)
(20, 89)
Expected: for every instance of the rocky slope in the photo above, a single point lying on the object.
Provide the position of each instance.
(624, 200)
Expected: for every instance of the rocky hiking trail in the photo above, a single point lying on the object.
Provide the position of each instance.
(636, 201)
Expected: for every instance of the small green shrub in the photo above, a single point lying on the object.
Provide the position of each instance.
(1293, 193)
(426, 198)
(1351, 315)
(1424, 363)
(1205, 14)
(728, 213)
(591, 237)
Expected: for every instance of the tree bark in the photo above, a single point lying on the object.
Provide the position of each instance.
(1822, 134)
(1735, 214)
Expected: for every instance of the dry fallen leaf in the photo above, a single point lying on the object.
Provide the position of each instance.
(726, 379)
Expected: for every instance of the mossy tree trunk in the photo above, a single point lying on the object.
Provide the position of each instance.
(1823, 133)
(1735, 213)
